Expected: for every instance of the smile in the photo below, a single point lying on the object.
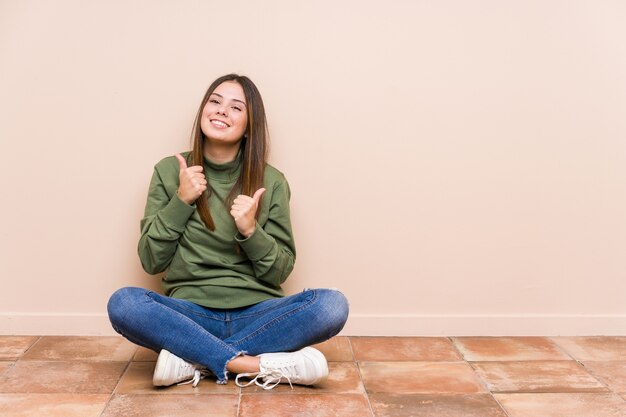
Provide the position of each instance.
(219, 123)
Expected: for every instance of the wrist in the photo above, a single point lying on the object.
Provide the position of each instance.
(249, 232)
(183, 199)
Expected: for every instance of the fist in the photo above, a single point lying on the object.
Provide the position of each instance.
(191, 180)
(244, 210)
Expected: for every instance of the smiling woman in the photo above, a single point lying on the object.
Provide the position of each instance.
(217, 221)
(231, 119)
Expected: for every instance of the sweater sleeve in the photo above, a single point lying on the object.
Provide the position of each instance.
(163, 223)
(271, 247)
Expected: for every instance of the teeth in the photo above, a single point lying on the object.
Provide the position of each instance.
(219, 123)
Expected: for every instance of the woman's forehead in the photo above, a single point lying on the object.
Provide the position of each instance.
(230, 90)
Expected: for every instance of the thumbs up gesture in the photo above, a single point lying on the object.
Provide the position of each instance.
(244, 210)
(192, 182)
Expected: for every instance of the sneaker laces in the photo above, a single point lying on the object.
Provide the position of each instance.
(198, 374)
(270, 378)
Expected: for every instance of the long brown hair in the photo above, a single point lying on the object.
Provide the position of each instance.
(253, 147)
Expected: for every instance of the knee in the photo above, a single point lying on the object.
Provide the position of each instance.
(121, 303)
(336, 309)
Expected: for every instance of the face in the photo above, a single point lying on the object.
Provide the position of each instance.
(225, 116)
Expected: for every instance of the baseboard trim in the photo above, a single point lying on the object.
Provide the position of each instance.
(55, 324)
(89, 324)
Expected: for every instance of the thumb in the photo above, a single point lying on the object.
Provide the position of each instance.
(181, 161)
(257, 195)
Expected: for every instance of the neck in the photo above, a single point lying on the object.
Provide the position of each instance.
(220, 154)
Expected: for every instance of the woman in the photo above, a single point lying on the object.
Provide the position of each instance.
(217, 220)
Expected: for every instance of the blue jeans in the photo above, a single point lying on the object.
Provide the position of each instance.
(213, 337)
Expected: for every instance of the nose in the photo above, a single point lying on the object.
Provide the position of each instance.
(222, 110)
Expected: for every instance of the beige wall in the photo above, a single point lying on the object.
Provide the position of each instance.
(458, 167)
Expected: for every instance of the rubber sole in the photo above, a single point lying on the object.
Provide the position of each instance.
(158, 379)
(318, 359)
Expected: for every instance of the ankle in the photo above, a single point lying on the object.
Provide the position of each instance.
(244, 364)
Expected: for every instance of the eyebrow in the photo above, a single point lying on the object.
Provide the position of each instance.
(234, 99)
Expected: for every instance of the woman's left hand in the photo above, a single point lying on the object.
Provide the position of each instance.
(244, 212)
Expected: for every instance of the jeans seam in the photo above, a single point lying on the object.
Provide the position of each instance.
(265, 310)
(256, 313)
(275, 320)
(195, 313)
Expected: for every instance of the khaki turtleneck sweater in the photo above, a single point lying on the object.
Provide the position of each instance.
(206, 267)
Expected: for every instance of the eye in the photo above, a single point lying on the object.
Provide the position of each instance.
(237, 108)
(214, 101)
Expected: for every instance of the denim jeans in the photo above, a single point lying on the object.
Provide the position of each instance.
(213, 337)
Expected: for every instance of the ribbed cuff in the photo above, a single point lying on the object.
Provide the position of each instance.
(177, 213)
(257, 245)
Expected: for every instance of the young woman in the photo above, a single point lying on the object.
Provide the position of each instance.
(217, 220)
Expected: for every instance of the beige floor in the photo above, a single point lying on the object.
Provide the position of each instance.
(443, 377)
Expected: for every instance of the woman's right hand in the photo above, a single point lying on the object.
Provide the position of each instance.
(192, 181)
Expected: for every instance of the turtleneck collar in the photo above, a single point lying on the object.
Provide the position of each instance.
(226, 173)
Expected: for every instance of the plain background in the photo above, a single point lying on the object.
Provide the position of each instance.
(457, 167)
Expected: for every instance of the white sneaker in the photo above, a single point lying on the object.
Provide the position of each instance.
(170, 370)
(305, 367)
